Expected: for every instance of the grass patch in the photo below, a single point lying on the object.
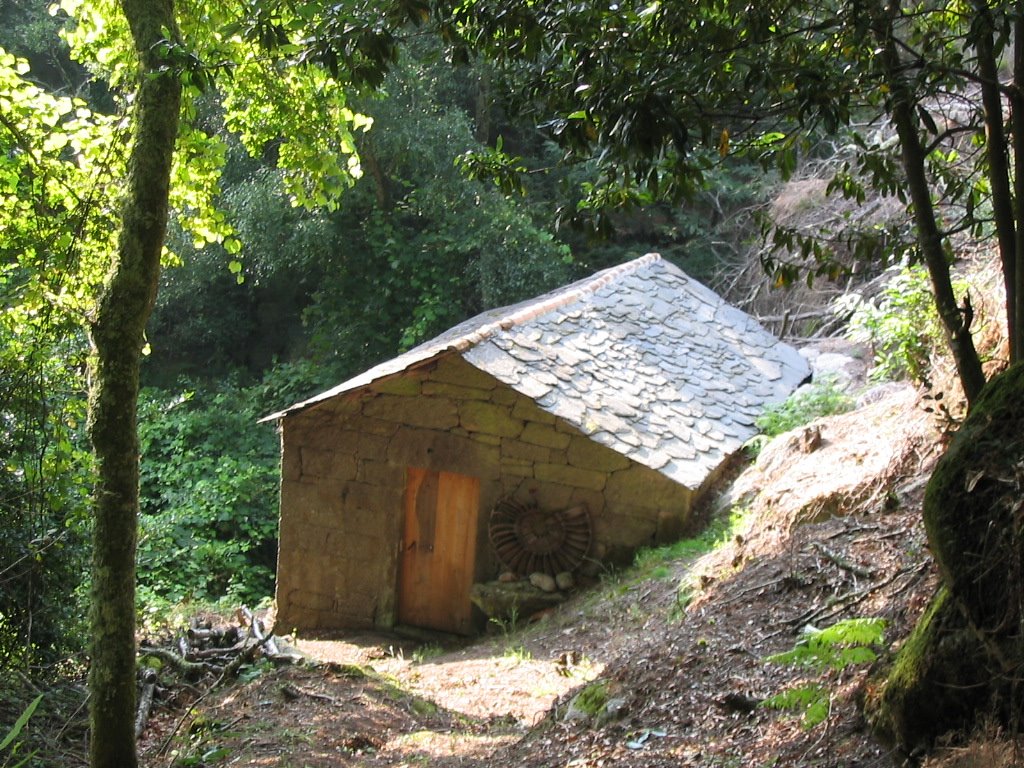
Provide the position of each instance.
(427, 652)
(654, 562)
(518, 654)
(823, 398)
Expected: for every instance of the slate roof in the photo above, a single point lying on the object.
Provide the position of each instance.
(640, 357)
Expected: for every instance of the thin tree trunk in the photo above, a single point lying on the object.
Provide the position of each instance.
(482, 118)
(956, 320)
(1015, 309)
(998, 163)
(117, 337)
(381, 182)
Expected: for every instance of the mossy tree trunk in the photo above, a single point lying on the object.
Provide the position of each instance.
(117, 335)
(965, 660)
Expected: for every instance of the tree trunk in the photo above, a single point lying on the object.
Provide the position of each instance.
(1015, 310)
(482, 116)
(962, 664)
(955, 320)
(914, 700)
(117, 336)
(997, 149)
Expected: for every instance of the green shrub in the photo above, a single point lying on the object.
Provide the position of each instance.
(901, 325)
(208, 527)
(824, 398)
(45, 483)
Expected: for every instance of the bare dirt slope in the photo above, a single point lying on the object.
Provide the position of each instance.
(677, 648)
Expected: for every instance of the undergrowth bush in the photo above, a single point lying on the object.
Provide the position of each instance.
(12, 745)
(844, 644)
(901, 324)
(823, 398)
(208, 527)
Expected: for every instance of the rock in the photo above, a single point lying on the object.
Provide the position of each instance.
(972, 507)
(879, 392)
(842, 369)
(595, 705)
(589, 703)
(962, 660)
(614, 709)
(810, 439)
(543, 582)
(512, 600)
(507, 577)
(564, 581)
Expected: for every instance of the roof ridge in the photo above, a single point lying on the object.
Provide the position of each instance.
(555, 301)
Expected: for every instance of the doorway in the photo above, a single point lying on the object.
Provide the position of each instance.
(438, 550)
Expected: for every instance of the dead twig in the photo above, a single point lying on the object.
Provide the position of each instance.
(292, 691)
(756, 588)
(231, 670)
(149, 680)
(841, 562)
(834, 607)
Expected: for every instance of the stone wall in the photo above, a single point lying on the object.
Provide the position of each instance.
(343, 479)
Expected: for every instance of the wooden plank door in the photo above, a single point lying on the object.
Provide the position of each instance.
(438, 550)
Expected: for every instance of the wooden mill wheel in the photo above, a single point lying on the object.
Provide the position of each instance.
(529, 539)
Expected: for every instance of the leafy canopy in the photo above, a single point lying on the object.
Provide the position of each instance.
(297, 115)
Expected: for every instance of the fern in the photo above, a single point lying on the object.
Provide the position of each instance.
(842, 645)
(812, 699)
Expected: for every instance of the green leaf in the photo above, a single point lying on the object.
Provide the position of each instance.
(20, 723)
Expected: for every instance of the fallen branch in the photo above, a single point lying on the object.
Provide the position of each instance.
(841, 562)
(149, 679)
(266, 639)
(190, 669)
(755, 588)
(292, 691)
(247, 655)
(834, 607)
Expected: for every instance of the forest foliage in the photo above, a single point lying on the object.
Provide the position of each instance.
(268, 293)
(313, 237)
(349, 179)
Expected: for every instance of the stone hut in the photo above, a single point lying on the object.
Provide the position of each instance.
(608, 405)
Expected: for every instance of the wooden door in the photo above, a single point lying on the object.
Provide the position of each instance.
(438, 550)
